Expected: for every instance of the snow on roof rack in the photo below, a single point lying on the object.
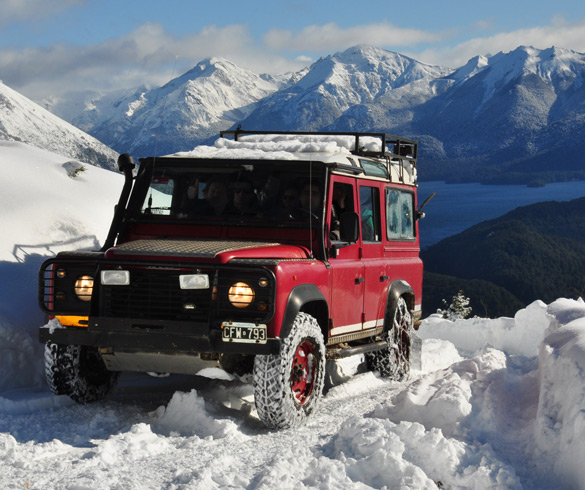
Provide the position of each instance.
(390, 146)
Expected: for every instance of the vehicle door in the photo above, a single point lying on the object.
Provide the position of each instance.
(401, 241)
(376, 268)
(346, 268)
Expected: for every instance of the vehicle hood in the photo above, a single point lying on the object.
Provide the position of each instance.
(221, 251)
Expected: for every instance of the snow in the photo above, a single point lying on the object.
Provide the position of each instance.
(212, 96)
(44, 211)
(497, 403)
(282, 146)
(23, 120)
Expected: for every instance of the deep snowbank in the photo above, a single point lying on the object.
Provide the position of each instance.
(43, 211)
(560, 423)
(539, 412)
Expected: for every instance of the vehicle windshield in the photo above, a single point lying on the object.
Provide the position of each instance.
(244, 192)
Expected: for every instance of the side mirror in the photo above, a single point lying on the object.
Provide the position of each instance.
(419, 214)
(125, 161)
(349, 227)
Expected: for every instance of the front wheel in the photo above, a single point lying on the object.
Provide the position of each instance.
(289, 385)
(393, 361)
(78, 372)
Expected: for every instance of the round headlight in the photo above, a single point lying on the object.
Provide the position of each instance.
(83, 287)
(241, 295)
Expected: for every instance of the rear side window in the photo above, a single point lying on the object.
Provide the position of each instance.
(374, 168)
(399, 214)
(370, 214)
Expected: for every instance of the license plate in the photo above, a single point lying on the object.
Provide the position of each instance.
(248, 333)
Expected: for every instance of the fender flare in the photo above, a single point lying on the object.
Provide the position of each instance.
(309, 299)
(396, 290)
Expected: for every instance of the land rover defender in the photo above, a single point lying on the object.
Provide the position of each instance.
(269, 252)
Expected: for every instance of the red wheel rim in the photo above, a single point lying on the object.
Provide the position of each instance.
(302, 377)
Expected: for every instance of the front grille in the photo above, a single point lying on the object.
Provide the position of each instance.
(155, 295)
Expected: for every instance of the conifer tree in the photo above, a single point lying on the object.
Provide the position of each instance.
(458, 309)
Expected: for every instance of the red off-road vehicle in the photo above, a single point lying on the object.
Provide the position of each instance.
(270, 251)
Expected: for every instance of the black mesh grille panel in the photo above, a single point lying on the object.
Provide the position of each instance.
(155, 294)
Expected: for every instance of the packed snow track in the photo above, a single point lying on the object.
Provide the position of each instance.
(490, 408)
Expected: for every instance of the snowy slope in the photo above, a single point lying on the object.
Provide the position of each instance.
(497, 403)
(86, 109)
(23, 120)
(43, 211)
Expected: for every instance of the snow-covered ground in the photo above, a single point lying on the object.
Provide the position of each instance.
(42, 211)
(496, 404)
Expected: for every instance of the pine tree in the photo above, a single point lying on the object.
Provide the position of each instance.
(458, 309)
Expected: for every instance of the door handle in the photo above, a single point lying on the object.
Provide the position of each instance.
(384, 278)
(359, 280)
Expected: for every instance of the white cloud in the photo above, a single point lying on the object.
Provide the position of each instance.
(330, 37)
(484, 24)
(27, 10)
(304, 59)
(559, 33)
(147, 55)
(151, 55)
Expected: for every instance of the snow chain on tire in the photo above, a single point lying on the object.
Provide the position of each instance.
(394, 361)
(78, 372)
(289, 385)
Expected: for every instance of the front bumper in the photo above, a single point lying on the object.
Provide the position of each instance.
(154, 336)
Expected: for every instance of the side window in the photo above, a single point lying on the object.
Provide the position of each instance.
(342, 202)
(399, 214)
(370, 214)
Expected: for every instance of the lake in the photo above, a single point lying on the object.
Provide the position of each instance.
(459, 206)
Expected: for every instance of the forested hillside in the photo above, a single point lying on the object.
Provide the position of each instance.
(533, 252)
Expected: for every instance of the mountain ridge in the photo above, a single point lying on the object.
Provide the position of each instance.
(24, 121)
(511, 117)
(187, 110)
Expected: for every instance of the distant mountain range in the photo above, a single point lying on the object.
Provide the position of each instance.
(23, 120)
(515, 117)
(188, 110)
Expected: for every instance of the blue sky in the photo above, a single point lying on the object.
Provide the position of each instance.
(50, 47)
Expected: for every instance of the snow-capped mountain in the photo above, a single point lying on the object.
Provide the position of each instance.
(525, 108)
(23, 120)
(349, 91)
(510, 114)
(212, 96)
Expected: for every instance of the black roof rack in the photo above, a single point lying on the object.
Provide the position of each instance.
(391, 146)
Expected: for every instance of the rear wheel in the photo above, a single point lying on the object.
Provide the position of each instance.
(78, 372)
(289, 385)
(393, 361)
